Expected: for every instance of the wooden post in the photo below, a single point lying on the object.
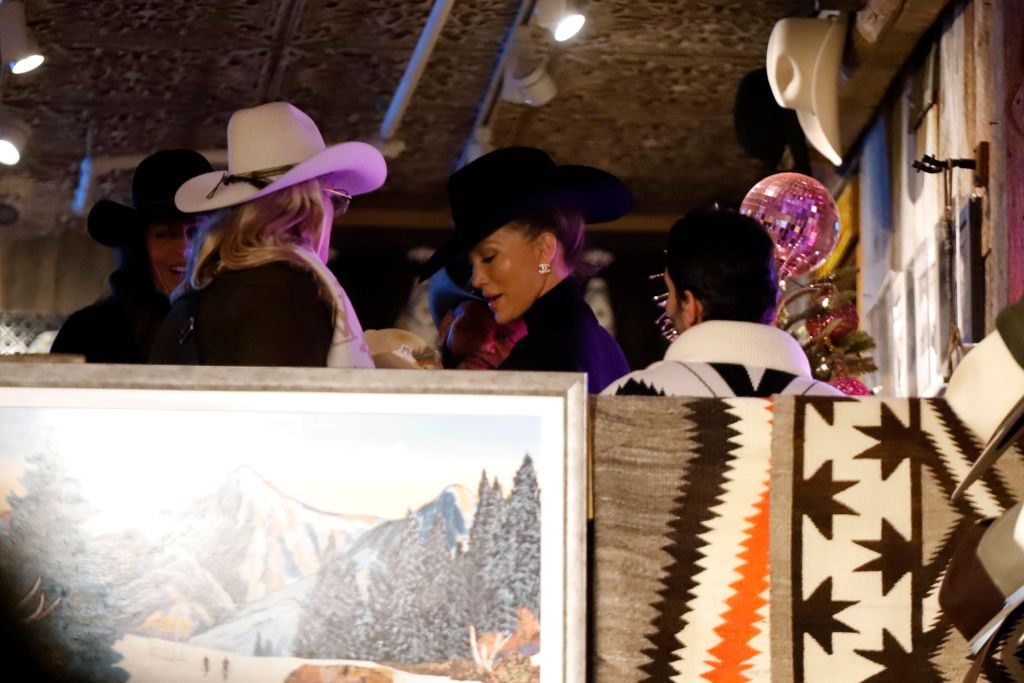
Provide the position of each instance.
(1013, 115)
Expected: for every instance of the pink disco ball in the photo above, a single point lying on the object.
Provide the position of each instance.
(801, 217)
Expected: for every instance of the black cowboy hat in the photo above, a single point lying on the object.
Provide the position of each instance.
(763, 128)
(154, 183)
(509, 183)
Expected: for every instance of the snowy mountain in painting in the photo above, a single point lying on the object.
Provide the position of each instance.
(170, 595)
(456, 505)
(275, 619)
(256, 540)
(233, 548)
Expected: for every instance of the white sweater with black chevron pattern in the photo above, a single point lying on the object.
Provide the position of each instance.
(725, 358)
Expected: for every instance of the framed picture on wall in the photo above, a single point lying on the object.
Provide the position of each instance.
(926, 287)
(289, 524)
(969, 271)
(889, 322)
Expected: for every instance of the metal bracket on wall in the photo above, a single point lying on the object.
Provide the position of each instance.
(979, 164)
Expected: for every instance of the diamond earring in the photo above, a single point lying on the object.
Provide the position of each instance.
(544, 268)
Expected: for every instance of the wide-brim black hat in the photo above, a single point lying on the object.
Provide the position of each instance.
(156, 179)
(763, 128)
(509, 183)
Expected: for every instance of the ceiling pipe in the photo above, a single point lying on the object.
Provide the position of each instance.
(411, 77)
(480, 131)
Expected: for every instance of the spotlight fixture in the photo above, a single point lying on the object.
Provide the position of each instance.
(17, 46)
(557, 17)
(526, 80)
(479, 144)
(14, 134)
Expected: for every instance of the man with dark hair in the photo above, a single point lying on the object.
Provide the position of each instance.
(722, 291)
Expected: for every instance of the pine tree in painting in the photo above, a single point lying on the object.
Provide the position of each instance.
(441, 624)
(483, 542)
(374, 625)
(408, 573)
(309, 634)
(522, 529)
(45, 542)
(327, 629)
(341, 638)
(416, 596)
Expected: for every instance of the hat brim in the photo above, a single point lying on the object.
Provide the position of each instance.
(113, 224)
(598, 195)
(821, 123)
(1004, 436)
(355, 167)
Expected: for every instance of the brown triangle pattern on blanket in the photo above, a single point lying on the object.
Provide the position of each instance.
(702, 484)
(947, 649)
(880, 534)
(921, 450)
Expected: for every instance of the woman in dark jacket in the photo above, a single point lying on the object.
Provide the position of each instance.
(521, 219)
(149, 239)
(257, 290)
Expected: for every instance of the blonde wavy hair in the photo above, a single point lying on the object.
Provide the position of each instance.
(267, 229)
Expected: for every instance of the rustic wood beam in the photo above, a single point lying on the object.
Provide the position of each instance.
(883, 37)
(413, 219)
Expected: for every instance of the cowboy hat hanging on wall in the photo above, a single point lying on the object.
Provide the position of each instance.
(984, 583)
(804, 56)
(766, 131)
(987, 391)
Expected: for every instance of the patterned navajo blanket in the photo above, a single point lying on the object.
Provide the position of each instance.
(788, 540)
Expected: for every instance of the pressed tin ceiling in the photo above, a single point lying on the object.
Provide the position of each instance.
(645, 90)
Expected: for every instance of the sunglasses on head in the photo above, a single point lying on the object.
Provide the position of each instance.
(340, 200)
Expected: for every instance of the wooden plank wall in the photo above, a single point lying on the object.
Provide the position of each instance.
(1011, 104)
(55, 273)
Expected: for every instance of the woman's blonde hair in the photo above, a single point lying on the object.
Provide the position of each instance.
(267, 229)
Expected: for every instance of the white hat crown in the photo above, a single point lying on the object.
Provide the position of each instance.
(793, 51)
(803, 62)
(274, 146)
(269, 136)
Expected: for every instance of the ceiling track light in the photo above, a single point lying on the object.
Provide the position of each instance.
(14, 135)
(17, 46)
(558, 17)
(526, 79)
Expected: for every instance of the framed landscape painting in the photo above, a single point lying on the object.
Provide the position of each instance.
(177, 524)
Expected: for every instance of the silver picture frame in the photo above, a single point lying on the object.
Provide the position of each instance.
(193, 426)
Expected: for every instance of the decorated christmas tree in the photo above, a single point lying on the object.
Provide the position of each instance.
(827, 329)
(802, 219)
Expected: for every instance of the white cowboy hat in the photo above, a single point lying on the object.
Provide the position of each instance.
(276, 145)
(400, 349)
(804, 57)
(986, 390)
(984, 581)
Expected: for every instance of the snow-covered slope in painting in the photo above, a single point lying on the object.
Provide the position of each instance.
(456, 505)
(256, 540)
(274, 619)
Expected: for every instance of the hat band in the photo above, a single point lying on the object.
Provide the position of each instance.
(258, 179)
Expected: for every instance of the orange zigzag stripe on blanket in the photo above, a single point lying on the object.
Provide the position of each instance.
(742, 621)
